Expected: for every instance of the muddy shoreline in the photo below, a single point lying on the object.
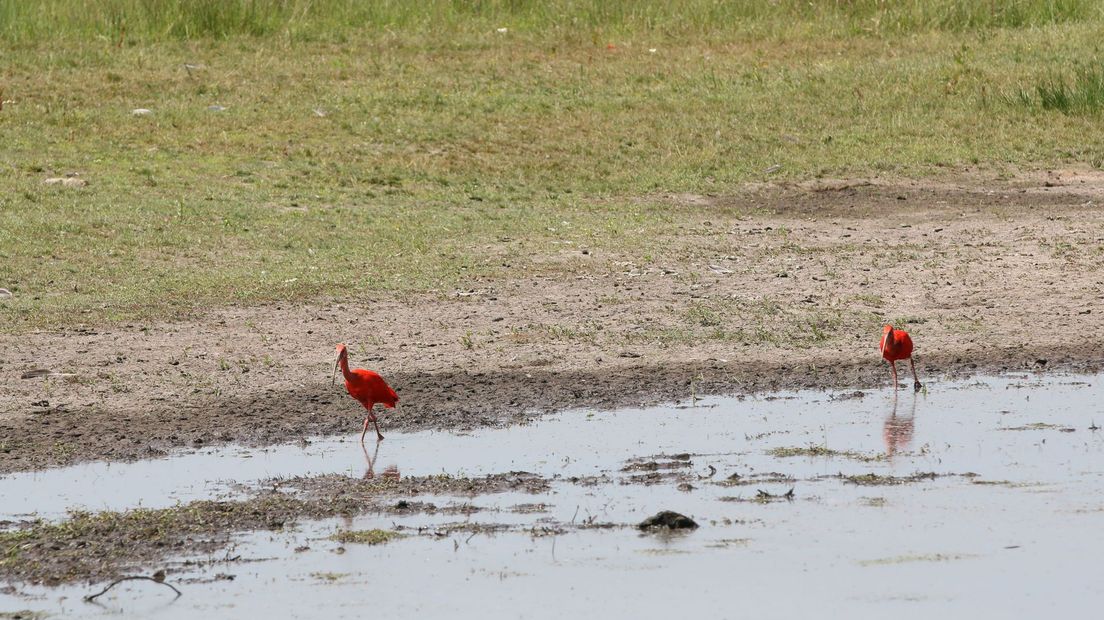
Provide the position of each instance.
(458, 401)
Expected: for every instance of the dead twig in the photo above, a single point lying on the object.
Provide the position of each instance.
(158, 577)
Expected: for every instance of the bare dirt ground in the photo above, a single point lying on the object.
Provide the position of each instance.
(774, 287)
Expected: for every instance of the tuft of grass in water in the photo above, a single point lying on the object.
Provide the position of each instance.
(879, 480)
(1037, 426)
(928, 557)
(365, 537)
(1083, 95)
(824, 451)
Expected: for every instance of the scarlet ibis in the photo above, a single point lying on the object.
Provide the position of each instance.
(897, 345)
(366, 386)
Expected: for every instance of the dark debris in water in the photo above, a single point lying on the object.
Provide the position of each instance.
(668, 520)
(337, 485)
(879, 480)
(589, 481)
(739, 480)
(654, 477)
(22, 615)
(763, 497)
(655, 465)
(539, 507)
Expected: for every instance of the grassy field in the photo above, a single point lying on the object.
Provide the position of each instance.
(299, 150)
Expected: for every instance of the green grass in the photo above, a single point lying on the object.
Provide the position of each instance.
(443, 150)
(1083, 95)
(157, 20)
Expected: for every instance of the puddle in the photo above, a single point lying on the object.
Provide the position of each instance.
(951, 429)
(1012, 529)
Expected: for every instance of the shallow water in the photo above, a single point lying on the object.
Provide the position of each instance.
(1017, 537)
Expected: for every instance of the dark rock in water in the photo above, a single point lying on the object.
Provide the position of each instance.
(668, 519)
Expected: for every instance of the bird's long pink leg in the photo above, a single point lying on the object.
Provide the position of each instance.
(372, 417)
(893, 367)
(916, 380)
(366, 420)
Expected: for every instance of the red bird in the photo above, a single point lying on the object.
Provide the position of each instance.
(896, 345)
(366, 386)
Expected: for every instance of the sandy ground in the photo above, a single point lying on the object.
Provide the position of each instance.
(774, 287)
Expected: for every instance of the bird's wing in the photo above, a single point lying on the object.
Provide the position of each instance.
(373, 381)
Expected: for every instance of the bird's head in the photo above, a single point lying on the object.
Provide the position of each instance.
(341, 352)
(887, 336)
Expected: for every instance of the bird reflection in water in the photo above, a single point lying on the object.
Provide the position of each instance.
(391, 472)
(897, 431)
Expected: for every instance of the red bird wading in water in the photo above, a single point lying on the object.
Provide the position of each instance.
(366, 386)
(896, 345)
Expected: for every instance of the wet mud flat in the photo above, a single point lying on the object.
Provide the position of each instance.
(979, 496)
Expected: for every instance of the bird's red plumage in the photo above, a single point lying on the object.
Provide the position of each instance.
(368, 387)
(896, 345)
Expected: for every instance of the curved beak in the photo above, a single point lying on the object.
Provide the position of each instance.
(333, 376)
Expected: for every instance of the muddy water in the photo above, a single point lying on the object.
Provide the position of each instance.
(1009, 527)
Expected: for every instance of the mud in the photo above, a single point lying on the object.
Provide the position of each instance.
(769, 288)
(52, 438)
